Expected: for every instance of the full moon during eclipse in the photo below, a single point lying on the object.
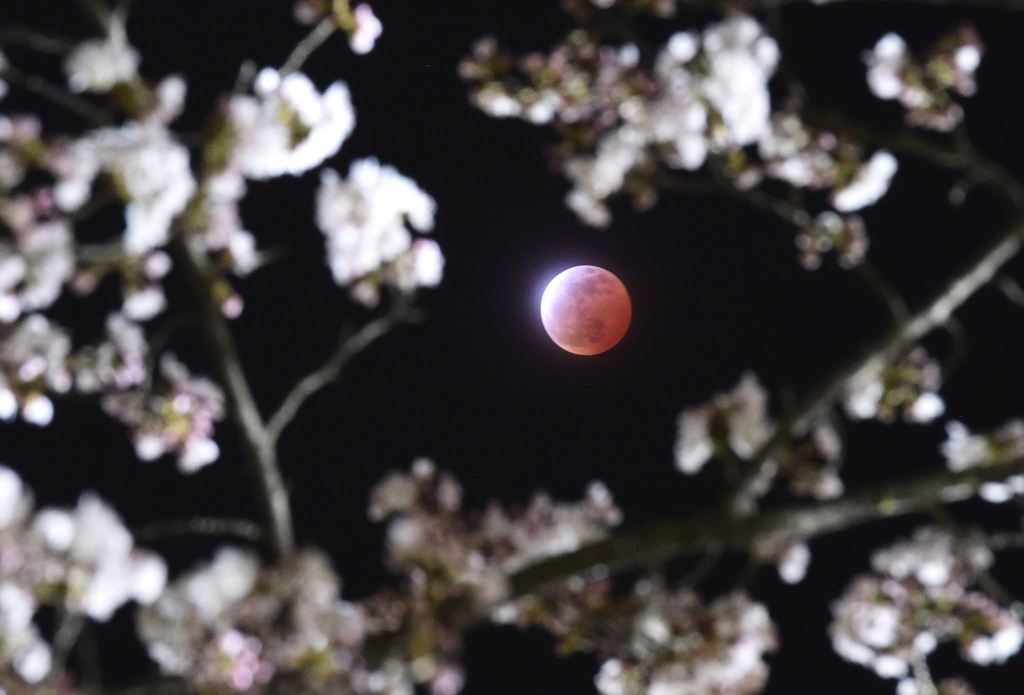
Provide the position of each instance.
(586, 310)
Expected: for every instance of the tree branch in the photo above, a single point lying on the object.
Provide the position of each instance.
(256, 445)
(199, 526)
(348, 348)
(932, 315)
(316, 38)
(44, 43)
(717, 529)
(55, 95)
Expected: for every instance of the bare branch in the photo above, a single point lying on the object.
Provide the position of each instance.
(55, 95)
(348, 348)
(200, 526)
(301, 53)
(256, 445)
(29, 38)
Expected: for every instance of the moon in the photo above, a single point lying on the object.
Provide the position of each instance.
(586, 310)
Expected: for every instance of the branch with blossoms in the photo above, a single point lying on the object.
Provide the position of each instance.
(696, 115)
(634, 121)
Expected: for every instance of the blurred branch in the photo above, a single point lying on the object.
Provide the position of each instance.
(961, 157)
(348, 348)
(316, 38)
(718, 529)
(55, 95)
(933, 314)
(797, 217)
(1012, 290)
(29, 38)
(256, 444)
(99, 12)
(199, 526)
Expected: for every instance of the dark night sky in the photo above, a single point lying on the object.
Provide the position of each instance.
(479, 388)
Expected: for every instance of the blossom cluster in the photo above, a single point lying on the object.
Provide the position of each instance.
(364, 218)
(232, 625)
(655, 640)
(919, 596)
(82, 560)
(279, 124)
(924, 88)
(174, 415)
(908, 384)
(734, 426)
(964, 450)
(627, 121)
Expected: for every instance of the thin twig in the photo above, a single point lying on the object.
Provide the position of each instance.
(1012, 289)
(883, 289)
(56, 95)
(200, 526)
(69, 627)
(29, 38)
(256, 445)
(348, 348)
(301, 53)
(98, 12)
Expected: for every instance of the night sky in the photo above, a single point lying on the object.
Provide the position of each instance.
(479, 388)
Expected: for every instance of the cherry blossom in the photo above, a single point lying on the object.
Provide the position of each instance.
(909, 385)
(175, 415)
(367, 29)
(923, 88)
(288, 127)
(33, 361)
(918, 597)
(365, 218)
(83, 560)
(98, 65)
(35, 267)
(740, 415)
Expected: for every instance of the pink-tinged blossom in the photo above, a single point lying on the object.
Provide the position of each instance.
(366, 31)
(288, 127)
(116, 363)
(35, 267)
(743, 416)
(919, 596)
(658, 641)
(98, 65)
(33, 362)
(232, 625)
(174, 415)
(844, 235)
(367, 219)
(706, 93)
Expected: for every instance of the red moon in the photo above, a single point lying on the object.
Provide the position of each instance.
(586, 310)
